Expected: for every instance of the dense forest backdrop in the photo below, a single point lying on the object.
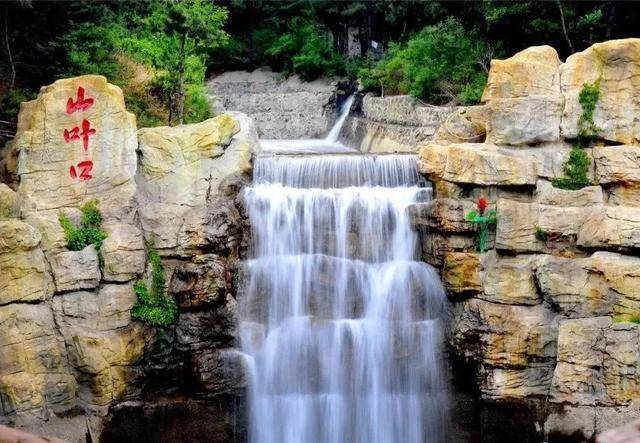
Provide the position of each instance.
(161, 51)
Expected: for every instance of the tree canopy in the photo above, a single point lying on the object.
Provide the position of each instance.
(160, 51)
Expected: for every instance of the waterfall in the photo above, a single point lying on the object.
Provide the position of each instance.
(339, 320)
(334, 134)
(329, 144)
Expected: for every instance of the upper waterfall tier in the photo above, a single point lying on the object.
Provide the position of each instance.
(338, 171)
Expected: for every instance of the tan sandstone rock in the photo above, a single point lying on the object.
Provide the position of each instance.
(480, 164)
(518, 222)
(617, 64)
(604, 284)
(533, 71)
(463, 125)
(182, 169)
(17, 236)
(597, 362)
(442, 214)
(8, 202)
(515, 346)
(73, 270)
(612, 226)
(509, 280)
(32, 362)
(24, 274)
(123, 252)
(47, 153)
(547, 194)
(617, 164)
(525, 85)
(435, 246)
(624, 194)
(461, 272)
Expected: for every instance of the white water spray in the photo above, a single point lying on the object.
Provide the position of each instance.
(329, 144)
(334, 134)
(339, 320)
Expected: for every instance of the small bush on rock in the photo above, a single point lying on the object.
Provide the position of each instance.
(577, 167)
(588, 98)
(541, 234)
(88, 233)
(627, 318)
(575, 170)
(154, 306)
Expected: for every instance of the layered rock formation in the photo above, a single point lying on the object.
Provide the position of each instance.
(68, 344)
(396, 124)
(281, 108)
(542, 318)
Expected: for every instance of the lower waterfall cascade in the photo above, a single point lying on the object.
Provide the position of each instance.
(339, 321)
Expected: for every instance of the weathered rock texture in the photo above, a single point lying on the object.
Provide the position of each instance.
(68, 344)
(400, 124)
(281, 108)
(542, 317)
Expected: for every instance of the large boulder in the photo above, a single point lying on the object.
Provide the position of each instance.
(597, 362)
(616, 64)
(514, 346)
(473, 163)
(182, 178)
(77, 142)
(605, 283)
(33, 373)
(615, 227)
(24, 272)
(521, 86)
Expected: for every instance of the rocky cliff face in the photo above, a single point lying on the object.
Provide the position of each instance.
(281, 108)
(540, 318)
(68, 345)
(395, 124)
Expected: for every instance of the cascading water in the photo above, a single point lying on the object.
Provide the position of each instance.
(328, 144)
(339, 321)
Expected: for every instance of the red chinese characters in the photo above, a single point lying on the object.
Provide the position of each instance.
(81, 171)
(75, 134)
(80, 104)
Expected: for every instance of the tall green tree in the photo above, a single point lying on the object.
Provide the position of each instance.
(196, 25)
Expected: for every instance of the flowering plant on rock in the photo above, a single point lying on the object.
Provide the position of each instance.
(484, 221)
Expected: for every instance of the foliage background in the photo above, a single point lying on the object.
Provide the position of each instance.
(438, 51)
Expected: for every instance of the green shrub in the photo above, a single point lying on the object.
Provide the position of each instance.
(627, 318)
(588, 98)
(575, 170)
(439, 64)
(154, 306)
(541, 234)
(88, 233)
(304, 49)
(577, 167)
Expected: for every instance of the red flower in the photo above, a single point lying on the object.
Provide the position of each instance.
(482, 205)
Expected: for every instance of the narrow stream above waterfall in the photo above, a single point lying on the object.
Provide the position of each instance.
(340, 321)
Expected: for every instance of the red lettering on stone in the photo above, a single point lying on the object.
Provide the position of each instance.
(75, 134)
(85, 168)
(80, 104)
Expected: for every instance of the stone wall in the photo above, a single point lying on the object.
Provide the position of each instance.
(281, 108)
(68, 345)
(395, 124)
(541, 321)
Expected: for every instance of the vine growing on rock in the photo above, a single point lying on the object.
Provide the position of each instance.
(88, 233)
(577, 166)
(154, 306)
